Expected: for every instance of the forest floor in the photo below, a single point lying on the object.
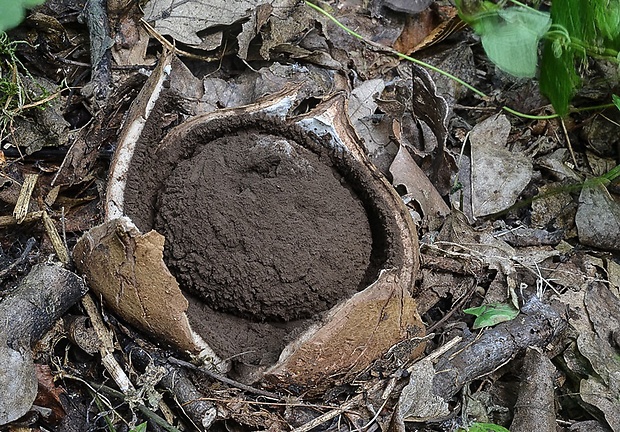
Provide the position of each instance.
(292, 177)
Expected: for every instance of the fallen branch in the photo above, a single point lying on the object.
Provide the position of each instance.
(26, 314)
(538, 325)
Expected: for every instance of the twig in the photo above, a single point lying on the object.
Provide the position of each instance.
(568, 144)
(7, 221)
(329, 415)
(107, 346)
(119, 395)
(23, 201)
(29, 244)
(224, 379)
(59, 245)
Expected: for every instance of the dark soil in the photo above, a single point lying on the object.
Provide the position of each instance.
(258, 226)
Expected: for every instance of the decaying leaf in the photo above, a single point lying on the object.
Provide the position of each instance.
(362, 100)
(483, 246)
(602, 389)
(498, 175)
(49, 395)
(418, 401)
(406, 172)
(195, 22)
(603, 397)
(431, 110)
(18, 380)
(417, 31)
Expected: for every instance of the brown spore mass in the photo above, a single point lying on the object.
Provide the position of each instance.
(258, 226)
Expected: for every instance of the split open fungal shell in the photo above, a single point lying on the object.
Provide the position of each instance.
(335, 345)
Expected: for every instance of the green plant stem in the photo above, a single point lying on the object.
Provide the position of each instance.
(579, 45)
(394, 52)
(141, 407)
(441, 71)
(593, 108)
(604, 180)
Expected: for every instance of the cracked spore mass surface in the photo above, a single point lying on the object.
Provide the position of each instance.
(261, 227)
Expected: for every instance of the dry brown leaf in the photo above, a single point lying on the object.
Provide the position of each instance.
(49, 394)
(406, 173)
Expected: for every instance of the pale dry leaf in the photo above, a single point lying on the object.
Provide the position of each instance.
(18, 380)
(418, 401)
(362, 100)
(184, 19)
(498, 175)
(376, 133)
(595, 393)
(598, 218)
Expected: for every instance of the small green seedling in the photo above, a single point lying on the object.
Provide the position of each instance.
(484, 427)
(491, 314)
(140, 428)
(509, 36)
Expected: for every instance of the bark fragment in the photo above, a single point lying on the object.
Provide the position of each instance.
(535, 407)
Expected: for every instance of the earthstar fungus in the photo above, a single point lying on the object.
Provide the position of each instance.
(287, 203)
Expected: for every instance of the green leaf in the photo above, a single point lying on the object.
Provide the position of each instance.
(607, 17)
(140, 428)
(511, 40)
(13, 12)
(509, 36)
(616, 100)
(492, 314)
(558, 79)
(486, 427)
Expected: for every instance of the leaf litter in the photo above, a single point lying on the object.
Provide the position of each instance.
(430, 138)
